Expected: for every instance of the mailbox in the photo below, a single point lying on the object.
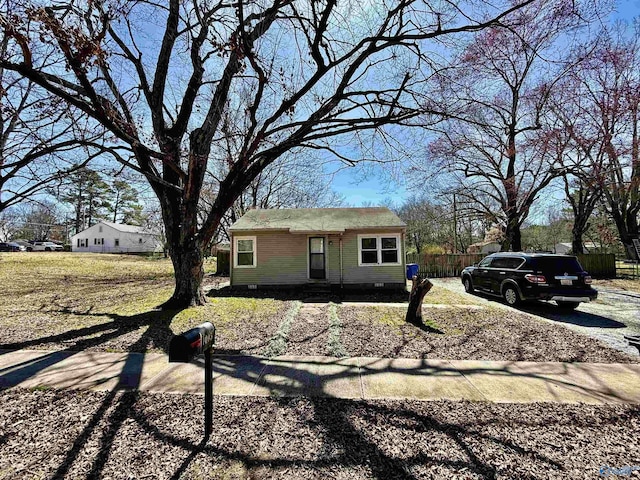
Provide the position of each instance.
(192, 342)
(187, 345)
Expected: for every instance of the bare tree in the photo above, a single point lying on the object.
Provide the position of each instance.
(601, 118)
(498, 100)
(292, 75)
(287, 183)
(42, 139)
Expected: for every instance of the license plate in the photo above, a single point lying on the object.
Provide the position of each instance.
(566, 282)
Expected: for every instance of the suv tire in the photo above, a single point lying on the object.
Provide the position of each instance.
(511, 296)
(568, 305)
(468, 284)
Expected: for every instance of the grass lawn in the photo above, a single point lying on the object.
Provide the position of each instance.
(107, 303)
(621, 283)
(443, 296)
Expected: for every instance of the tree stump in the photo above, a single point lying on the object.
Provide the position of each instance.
(419, 289)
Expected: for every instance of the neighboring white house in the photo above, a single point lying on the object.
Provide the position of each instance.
(107, 237)
(566, 247)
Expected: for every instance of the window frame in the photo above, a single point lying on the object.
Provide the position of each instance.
(489, 261)
(379, 237)
(254, 251)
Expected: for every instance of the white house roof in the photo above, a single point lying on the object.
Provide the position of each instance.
(126, 228)
(121, 227)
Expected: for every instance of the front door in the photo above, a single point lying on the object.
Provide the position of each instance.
(316, 258)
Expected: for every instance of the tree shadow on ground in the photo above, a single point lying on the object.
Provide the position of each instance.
(551, 311)
(156, 321)
(157, 333)
(574, 317)
(426, 327)
(343, 423)
(311, 296)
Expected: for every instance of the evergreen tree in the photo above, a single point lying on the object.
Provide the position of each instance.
(87, 193)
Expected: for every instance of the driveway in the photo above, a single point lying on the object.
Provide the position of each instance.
(616, 313)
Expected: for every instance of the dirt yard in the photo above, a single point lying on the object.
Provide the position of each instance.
(62, 434)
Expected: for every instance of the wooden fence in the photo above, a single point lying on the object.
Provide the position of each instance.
(443, 265)
(599, 265)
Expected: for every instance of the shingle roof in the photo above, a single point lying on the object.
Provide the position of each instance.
(126, 228)
(318, 219)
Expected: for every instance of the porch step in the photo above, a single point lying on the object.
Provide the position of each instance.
(317, 288)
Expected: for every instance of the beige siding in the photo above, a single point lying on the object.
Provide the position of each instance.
(354, 274)
(282, 259)
(333, 259)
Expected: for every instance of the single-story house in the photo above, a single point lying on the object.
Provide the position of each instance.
(484, 247)
(564, 248)
(108, 237)
(337, 247)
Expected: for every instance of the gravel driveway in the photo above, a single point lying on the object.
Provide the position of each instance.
(616, 313)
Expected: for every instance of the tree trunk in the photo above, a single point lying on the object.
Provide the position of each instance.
(626, 236)
(420, 288)
(512, 237)
(630, 249)
(577, 244)
(188, 265)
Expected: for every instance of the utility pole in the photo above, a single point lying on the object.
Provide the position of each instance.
(455, 225)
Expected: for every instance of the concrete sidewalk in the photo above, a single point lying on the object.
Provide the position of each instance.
(359, 378)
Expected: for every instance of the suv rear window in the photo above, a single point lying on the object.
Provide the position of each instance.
(557, 264)
(506, 262)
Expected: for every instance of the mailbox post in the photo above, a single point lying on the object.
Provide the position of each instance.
(184, 347)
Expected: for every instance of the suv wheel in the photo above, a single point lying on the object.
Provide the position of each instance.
(510, 295)
(29, 249)
(468, 285)
(568, 305)
(47, 249)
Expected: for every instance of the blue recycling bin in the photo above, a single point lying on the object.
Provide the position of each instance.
(412, 270)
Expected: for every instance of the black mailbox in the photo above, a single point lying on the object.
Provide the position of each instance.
(192, 342)
(184, 347)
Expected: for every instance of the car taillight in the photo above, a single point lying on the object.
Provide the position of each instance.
(535, 278)
(588, 280)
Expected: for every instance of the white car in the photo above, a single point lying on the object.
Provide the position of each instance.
(44, 247)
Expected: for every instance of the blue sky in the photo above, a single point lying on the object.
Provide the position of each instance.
(378, 188)
(627, 9)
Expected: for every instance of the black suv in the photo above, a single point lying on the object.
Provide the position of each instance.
(531, 276)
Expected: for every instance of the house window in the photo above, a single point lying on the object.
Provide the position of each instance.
(369, 250)
(139, 240)
(117, 242)
(381, 249)
(100, 229)
(389, 250)
(244, 252)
